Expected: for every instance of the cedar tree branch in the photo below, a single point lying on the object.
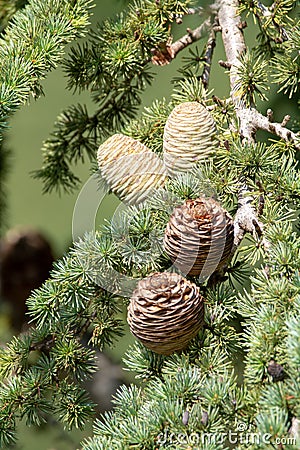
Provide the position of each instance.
(250, 119)
(211, 43)
(164, 55)
(246, 220)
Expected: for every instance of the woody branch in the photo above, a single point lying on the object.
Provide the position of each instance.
(246, 219)
(250, 119)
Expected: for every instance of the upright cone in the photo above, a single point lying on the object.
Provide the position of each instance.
(129, 168)
(165, 312)
(199, 236)
(189, 137)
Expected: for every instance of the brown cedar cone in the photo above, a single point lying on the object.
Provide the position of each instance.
(165, 312)
(199, 236)
(189, 137)
(130, 169)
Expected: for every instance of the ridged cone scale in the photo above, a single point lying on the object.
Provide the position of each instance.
(165, 312)
(189, 137)
(199, 236)
(130, 169)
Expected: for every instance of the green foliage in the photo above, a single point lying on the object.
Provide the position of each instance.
(274, 22)
(149, 128)
(158, 410)
(33, 45)
(38, 373)
(278, 40)
(114, 66)
(189, 90)
(251, 305)
(74, 406)
(72, 300)
(68, 124)
(287, 65)
(253, 78)
(293, 341)
(4, 168)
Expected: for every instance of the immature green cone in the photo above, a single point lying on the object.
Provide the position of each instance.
(165, 312)
(189, 137)
(130, 169)
(199, 236)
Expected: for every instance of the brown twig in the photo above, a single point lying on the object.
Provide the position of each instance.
(166, 53)
(285, 120)
(224, 64)
(270, 115)
(210, 46)
(219, 102)
(268, 14)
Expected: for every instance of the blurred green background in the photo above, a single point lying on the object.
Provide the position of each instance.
(52, 214)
